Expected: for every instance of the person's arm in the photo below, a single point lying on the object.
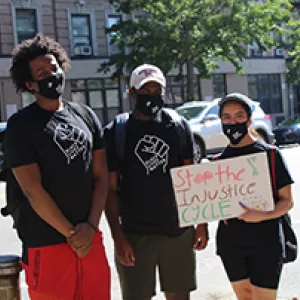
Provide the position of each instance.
(100, 174)
(81, 240)
(21, 158)
(201, 231)
(112, 206)
(284, 204)
(124, 250)
(285, 201)
(29, 179)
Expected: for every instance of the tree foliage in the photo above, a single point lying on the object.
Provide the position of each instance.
(198, 32)
(293, 46)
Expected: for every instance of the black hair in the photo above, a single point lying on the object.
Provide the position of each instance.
(244, 105)
(30, 49)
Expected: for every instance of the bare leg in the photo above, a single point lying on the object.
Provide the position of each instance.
(243, 289)
(263, 293)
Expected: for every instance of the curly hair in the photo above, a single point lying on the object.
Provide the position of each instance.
(30, 49)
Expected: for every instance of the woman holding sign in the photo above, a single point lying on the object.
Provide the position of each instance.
(250, 246)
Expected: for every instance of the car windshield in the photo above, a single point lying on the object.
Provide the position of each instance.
(191, 111)
(290, 121)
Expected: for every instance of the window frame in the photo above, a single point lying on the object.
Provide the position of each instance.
(102, 88)
(215, 80)
(108, 36)
(264, 82)
(77, 11)
(24, 6)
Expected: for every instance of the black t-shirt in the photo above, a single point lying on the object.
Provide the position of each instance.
(152, 148)
(239, 235)
(62, 145)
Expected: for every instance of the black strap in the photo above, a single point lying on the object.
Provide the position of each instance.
(120, 134)
(272, 150)
(120, 123)
(176, 120)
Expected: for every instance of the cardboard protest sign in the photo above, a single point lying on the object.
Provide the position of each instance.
(212, 191)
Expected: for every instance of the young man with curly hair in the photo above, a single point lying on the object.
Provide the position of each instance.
(58, 161)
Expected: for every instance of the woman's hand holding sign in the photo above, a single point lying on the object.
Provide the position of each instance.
(252, 215)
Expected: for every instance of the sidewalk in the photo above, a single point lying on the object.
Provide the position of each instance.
(211, 278)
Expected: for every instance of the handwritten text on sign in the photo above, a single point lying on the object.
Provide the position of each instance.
(212, 191)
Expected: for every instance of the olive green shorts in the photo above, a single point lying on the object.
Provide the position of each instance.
(174, 258)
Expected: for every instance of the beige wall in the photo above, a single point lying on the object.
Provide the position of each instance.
(207, 89)
(54, 25)
(256, 66)
(86, 68)
(6, 28)
(9, 97)
(57, 26)
(237, 83)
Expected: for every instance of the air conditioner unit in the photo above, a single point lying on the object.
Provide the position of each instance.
(83, 50)
(279, 52)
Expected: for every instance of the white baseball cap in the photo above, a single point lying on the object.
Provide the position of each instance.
(146, 73)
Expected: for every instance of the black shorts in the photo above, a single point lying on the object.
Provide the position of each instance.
(262, 269)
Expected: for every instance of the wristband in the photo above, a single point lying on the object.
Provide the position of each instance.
(92, 226)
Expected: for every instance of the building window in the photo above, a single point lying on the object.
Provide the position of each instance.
(113, 20)
(177, 90)
(102, 95)
(219, 85)
(26, 24)
(81, 35)
(266, 88)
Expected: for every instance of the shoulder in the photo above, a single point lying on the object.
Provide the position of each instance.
(21, 118)
(119, 120)
(173, 115)
(80, 107)
(263, 146)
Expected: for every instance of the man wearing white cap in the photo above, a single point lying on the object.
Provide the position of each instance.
(141, 209)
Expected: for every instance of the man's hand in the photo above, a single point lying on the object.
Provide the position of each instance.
(81, 238)
(201, 237)
(84, 250)
(124, 251)
(251, 215)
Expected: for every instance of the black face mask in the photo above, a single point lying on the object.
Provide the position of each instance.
(52, 87)
(235, 132)
(149, 105)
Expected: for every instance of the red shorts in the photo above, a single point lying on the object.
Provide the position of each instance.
(56, 272)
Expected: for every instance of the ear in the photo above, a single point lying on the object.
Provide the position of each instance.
(30, 86)
(250, 122)
(132, 94)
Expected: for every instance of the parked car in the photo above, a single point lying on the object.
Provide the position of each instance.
(2, 126)
(287, 132)
(203, 117)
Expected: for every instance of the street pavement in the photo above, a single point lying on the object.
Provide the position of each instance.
(211, 278)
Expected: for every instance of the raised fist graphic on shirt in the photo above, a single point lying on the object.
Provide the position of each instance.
(152, 153)
(71, 140)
